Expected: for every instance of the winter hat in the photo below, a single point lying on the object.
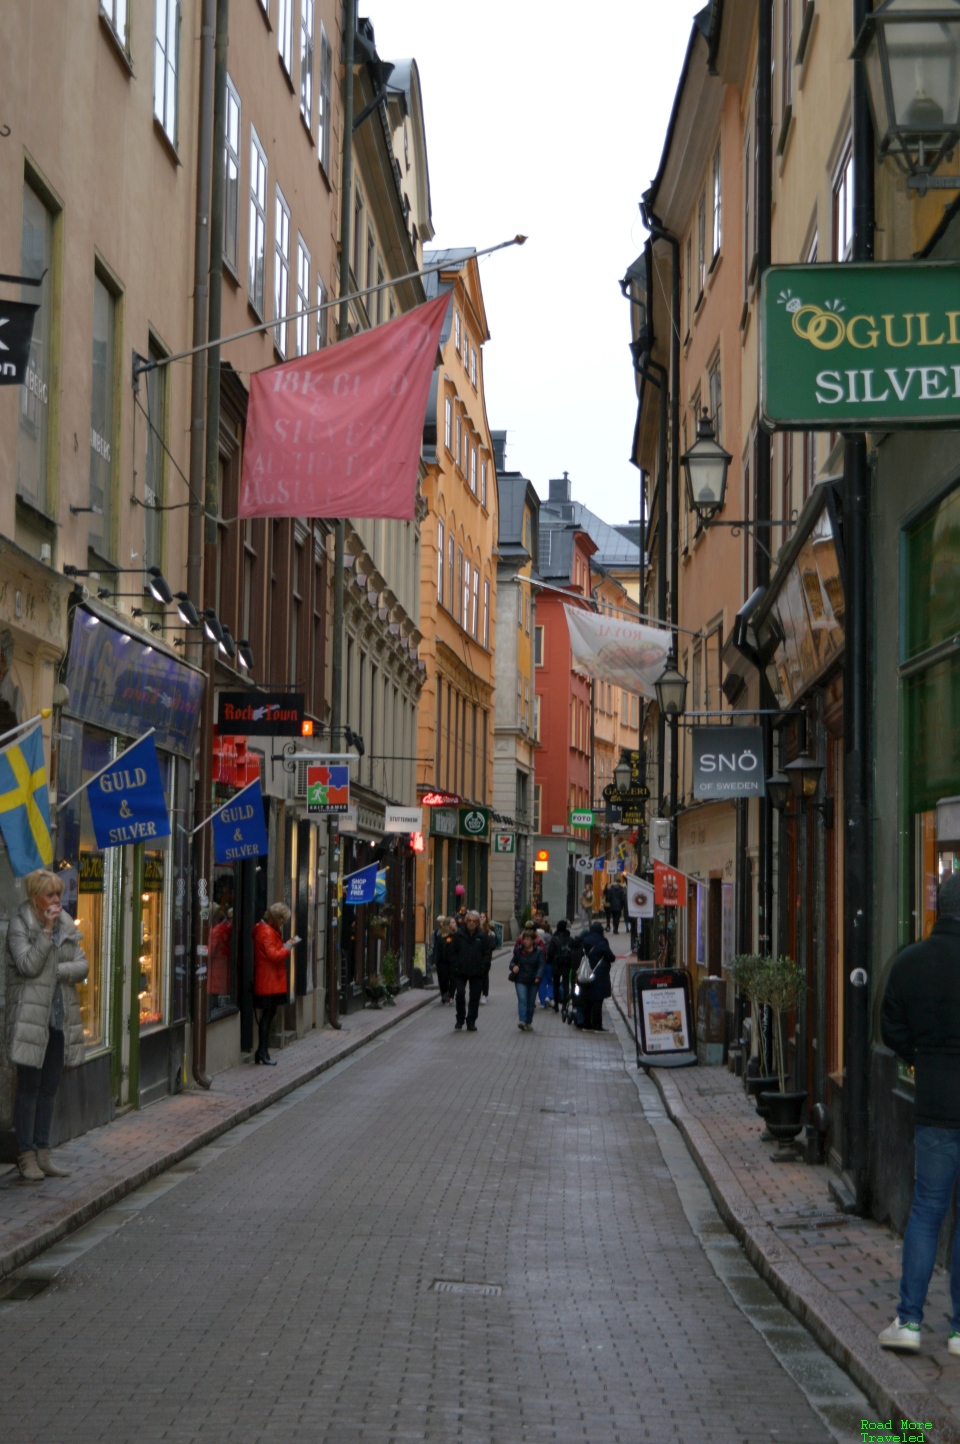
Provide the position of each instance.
(949, 896)
(562, 926)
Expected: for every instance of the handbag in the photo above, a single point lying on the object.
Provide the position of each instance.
(585, 972)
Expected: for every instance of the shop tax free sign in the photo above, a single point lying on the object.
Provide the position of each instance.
(871, 347)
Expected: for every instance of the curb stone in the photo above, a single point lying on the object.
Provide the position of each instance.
(878, 1373)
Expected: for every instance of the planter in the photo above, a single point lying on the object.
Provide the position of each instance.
(784, 1117)
(759, 1088)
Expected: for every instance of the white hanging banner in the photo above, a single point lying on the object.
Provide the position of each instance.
(623, 653)
(639, 896)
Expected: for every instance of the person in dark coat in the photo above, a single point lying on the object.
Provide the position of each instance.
(443, 937)
(526, 970)
(559, 959)
(599, 954)
(618, 901)
(920, 1021)
(270, 982)
(607, 905)
(471, 963)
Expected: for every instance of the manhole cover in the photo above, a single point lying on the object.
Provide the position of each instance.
(454, 1286)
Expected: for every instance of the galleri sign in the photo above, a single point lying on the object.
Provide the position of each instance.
(728, 762)
(865, 346)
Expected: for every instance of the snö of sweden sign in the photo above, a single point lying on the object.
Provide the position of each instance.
(866, 346)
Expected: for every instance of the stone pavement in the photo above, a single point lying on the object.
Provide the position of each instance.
(449, 1237)
(109, 1163)
(838, 1273)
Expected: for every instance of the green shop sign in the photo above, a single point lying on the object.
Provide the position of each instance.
(875, 347)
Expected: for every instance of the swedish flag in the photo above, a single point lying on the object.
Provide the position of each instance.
(24, 804)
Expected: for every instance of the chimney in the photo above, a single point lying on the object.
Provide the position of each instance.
(560, 488)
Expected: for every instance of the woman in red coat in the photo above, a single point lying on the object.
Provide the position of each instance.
(270, 954)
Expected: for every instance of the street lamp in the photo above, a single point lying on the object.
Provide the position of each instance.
(186, 611)
(244, 655)
(705, 466)
(671, 689)
(910, 53)
(779, 790)
(622, 776)
(804, 775)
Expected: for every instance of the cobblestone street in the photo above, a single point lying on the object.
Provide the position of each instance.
(300, 1278)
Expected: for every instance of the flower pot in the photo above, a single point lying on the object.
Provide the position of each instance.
(784, 1114)
(757, 1087)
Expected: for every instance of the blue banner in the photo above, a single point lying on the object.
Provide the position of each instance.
(25, 804)
(360, 887)
(240, 828)
(126, 801)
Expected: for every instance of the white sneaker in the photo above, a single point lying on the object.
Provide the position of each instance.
(953, 1342)
(904, 1336)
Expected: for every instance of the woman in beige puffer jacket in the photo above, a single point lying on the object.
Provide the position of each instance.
(45, 961)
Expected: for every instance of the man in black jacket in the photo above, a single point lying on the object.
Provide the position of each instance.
(618, 901)
(920, 1021)
(473, 950)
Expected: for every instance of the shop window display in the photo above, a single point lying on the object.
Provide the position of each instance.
(222, 960)
(153, 916)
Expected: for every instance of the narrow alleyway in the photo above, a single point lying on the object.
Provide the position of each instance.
(301, 1278)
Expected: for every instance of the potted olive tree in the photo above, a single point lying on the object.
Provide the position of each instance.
(782, 984)
(748, 971)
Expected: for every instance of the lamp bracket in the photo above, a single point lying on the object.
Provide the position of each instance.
(923, 183)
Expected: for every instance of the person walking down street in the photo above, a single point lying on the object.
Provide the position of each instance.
(471, 964)
(559, 961)
(586, 906)
(618, 901)
(443, 937)
(45, 962)
(270, 983)
(607, 906)
(599, 955)
(486, 927)
(526, 971)
(920, 1021)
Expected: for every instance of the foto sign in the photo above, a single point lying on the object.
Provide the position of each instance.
(728, 762)
(875, 347)
(581, 817)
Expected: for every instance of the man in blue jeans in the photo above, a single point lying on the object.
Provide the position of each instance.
(920, 1021)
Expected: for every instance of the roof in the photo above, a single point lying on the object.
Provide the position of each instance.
(515, 493)
(613, 548)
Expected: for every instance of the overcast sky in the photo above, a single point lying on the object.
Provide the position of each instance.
(548, 121)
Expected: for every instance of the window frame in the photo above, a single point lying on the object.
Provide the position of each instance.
(302, 323)
(538, 645)
(448, 423)
(841, 203)
(162, 105)
(285, 35)
(281, 270)
(307, 8)
(324, 101)
(231, 223)
(259, 173)
(717, 220)
(322, 299)
(441, 536)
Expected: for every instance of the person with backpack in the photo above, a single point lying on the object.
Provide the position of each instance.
(594, 985)
(559, 960)
(526, 969)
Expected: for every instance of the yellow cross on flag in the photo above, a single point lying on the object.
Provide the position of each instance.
(25, 805)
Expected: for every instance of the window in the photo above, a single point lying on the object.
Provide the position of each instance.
(116, 13)
(231, 179)
(716, 397)
(689, 284)
(357, 233)
(440, 538)
(786, 37)
(303, 297)
(465, 615)
(459, 438)
(258, 222)
(717, 205)
(747, 213)
(475, 614)
(324, 101)
(786, 477)
(371, 263)
(456, 331)
(625, 704)
(809, 462)
(483, 483)
(537, 806)
(101, 420)
(573, 719)
(451, 589)
(528, 616)
(36, 256)
(281, 271)
(466, 349)
(701, 246)
(285, 33)
(321, 315)
(486, 615)
(843, 207)
(378, 297)
(466, 446)
(634, 712)
(536, 718)
(473, 365)
(448, 423)
(473, 470)
(306, 62)
(166, 62)
(155, 459)
(458, 594)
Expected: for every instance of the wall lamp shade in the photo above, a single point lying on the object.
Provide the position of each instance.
(622, 776)
(671, 689)
(705, 467)
(186, 611)
(157, 586)
(244, 655)
(212, 629)
(779, 790)
(804, 775)
(228, 647)
(910, 53)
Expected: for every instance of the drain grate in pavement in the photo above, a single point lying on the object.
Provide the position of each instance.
(456, 1286)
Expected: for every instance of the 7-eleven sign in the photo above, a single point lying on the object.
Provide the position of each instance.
(504, 842)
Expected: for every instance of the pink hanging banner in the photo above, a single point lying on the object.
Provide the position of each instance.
(338, 432)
